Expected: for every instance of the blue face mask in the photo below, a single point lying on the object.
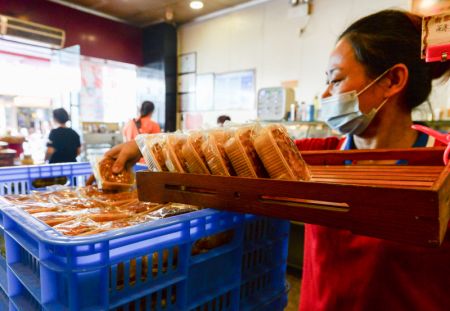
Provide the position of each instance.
(341, 112)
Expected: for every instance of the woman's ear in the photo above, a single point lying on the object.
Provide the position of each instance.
(396, 80)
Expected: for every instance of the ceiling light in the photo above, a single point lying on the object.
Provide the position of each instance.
(196, 5)
(169, 14)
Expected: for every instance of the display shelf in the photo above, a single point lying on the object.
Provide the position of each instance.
(306, 129)
(404, 203)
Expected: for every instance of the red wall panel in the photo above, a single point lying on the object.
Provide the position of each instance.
(97, 36)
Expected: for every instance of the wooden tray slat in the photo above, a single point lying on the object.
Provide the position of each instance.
(375, 182)
(374, 176)
(414, 156)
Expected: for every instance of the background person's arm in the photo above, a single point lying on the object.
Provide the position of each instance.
(49, 152)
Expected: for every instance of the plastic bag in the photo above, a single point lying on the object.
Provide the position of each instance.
(242, 153)
(175, 161)
(151, 146)
(106, 179)
(193, 154)
(214, 152)
(279, 154)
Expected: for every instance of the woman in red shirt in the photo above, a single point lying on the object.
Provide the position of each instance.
(375, 78)
(143, 125)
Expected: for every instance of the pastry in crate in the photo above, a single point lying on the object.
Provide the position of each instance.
(175, 161)
(242, 154)
(151, 146)
(279, 154)
(193, 154)
(215, 155)
(107, 179)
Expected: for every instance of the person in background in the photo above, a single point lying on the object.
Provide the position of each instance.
(63, 142)
(222, 119)
(142, 125)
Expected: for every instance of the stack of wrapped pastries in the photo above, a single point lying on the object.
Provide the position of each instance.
(88, 210)
(246, 151)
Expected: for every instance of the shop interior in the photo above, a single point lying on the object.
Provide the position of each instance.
(255, 61)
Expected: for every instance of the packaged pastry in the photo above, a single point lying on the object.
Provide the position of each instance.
(175, 161)
(39, 207)
(107, 179)
(151, 146)
(89, 210)
(107, 197)
(77, 227)
(279, 154)
(173, 209)
(54, 218)
(193, 154)
(137, 207)
(215, 155)
(208, 243)
(105, 216)
(16, 198)
(242, 154)
(64, 214)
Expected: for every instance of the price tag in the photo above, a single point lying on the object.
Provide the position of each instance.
(436, 38)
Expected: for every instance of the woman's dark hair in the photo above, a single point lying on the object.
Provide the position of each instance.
(391, 37)
(60, 115)
(147, 108)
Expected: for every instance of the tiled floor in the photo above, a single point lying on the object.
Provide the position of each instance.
(294, 292)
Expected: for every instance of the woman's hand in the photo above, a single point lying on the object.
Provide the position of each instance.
(126, 154)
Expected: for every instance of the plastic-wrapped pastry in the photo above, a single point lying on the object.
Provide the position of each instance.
(90, 211)
(137, 207)
(215, 154)
(107, 197)
(175, 161)
(173, 209)
(193, 154)
(151, 146)
(242, 153)
(39, 207)
(54, 218)
(77, 227)
(106, 179)
(279, 154)
(210, 242)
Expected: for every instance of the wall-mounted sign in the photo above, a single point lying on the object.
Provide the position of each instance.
(436, 37)
(234, 90)
(187, 63)
(186, 83)
(205, 92)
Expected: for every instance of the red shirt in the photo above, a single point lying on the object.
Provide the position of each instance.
(343, 271)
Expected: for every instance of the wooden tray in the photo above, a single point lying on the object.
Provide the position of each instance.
(404, 203)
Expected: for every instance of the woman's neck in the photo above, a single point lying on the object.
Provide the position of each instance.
(391, 130)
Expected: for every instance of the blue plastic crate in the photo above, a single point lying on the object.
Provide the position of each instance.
(263, 261)
(48, 271)
(19, 179)
(276, 303)
(4, 300)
